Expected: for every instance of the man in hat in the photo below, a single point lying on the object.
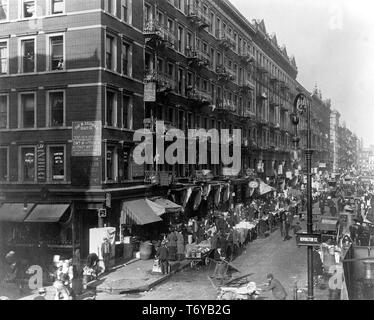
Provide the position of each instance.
(276, 287)
(163, 256)
(41, 294)
(105, 252)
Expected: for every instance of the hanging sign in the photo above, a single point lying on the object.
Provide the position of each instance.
(308, 239)
(150, 92)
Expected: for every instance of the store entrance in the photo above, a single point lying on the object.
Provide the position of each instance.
(89, 220)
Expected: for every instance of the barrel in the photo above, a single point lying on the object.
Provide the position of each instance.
(369, 269)
(145, 250)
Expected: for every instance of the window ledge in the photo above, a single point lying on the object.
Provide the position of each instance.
(51, 15)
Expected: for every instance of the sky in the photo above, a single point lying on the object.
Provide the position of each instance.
(333, 43)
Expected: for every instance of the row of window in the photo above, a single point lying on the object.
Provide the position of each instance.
(125, 10)
(111, 55)
(217, 27)
(56, 110)
(187, 120)
(28, 9)
(116, 164)
(27, 162)
(182, 81)
(27, 54)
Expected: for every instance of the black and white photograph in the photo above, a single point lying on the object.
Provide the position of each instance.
(192, 151)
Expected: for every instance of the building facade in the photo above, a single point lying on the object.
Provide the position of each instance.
(334, 139)
(67, 65)
(77, 78)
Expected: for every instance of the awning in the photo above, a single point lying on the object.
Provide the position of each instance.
(15, 212)
(47, 213)
(140, 211)
(170, 206)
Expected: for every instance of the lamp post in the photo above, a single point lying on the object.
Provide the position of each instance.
(302, 105)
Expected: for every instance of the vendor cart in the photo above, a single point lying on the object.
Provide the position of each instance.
(329, 227)
(200, 258)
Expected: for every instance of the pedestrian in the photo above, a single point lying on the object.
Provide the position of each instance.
(282, 220)
(163, 257)
(287, 226)
(317, 266)
(106, 252)
(172, 245)
(322, 205)
(276, 287)
(41, 294)
(180, 246)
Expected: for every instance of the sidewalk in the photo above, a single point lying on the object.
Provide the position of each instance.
(130, 277)
(135, 276)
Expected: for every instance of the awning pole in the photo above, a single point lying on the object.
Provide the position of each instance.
(73, 227)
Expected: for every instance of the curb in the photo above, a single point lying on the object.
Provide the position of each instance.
(141, 288)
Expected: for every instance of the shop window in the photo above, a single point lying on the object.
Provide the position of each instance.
(56, 106)
(4, 111)
(28, 56)
(57, 163)
(124, 169)
(4, 164)
(56, 52)
(28, 164)
(111, 163)
(4, 56)
(27, 112)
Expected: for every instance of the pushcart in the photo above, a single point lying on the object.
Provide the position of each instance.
(200, 258)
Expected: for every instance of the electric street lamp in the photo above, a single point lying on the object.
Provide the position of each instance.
(302, 105)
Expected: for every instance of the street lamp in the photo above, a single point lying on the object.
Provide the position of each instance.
(302, 105)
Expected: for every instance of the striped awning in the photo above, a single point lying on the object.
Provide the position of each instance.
(169, 206)
(141, 212)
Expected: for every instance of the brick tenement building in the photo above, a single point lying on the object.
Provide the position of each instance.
(66, 62)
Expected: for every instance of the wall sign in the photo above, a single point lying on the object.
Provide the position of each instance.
(86, 139)
(41, 162)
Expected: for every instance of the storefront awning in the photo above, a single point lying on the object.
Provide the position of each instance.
(15, 212)
(170, 206)
(141, 212)
(47, 213)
